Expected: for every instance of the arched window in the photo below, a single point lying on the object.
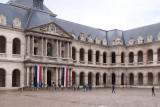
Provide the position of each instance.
(97, 78)
(150, 56)
(73, 78)
(97, 56)
(113, 57)
(49, 74)
(104, 57)
(140, 56)
(140, 79)
(122, 57)
(16, 46)
(2, 44)
(73, 53)
(81, 54)
(90, 56)
(113, 78)
(131, 79)
(49, 49)
(122, 79)
(16, 78)
(104, 78)
(131, 57)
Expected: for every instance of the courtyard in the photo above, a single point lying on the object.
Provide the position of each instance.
(102, 97)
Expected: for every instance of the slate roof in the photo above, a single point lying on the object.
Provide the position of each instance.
(33, 18)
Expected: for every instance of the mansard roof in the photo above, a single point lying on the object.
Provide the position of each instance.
(32, 18)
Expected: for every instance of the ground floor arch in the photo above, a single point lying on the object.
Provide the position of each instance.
(97, 78)
(90, 79)
(122, 79)
(104, 78)
(131, 79)
(81, 78)
(16, 78)
(140, 79)
(73, 78)
(150, 79)
(2, 77)
(113, 78)
(158, 78)
(49, 74)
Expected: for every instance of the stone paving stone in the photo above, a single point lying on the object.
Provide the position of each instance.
(124, 97)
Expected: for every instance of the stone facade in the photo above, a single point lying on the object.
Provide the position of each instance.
(90, 60)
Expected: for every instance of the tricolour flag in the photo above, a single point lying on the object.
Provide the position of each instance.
(65, 77)
(38, 75)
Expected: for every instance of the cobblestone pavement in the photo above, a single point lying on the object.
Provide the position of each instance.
(127, 97)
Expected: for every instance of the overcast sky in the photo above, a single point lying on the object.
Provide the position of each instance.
(107, 14)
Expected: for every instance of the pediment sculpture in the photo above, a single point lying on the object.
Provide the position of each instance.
(150, 38)
(140, 39)
(52, 28)
(44, 28)
(104, 41)
(81, 37)
(89, 39)
(3, 20)
(97, 40)
(131, 41)
(118, 41)
(16, 23)
(73, 34)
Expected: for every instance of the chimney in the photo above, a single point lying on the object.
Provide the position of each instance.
(38, 4)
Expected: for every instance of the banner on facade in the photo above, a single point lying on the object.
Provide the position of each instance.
(65, 77)
(38, 76)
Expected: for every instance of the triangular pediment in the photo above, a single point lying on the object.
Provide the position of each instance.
(52, 29)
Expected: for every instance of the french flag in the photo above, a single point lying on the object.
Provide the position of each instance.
(38, 75)
(65, 77)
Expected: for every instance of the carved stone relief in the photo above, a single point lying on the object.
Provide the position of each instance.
(150, 38)
(44, 28)
(140, 39)
(97, 40)
(52, 28)
(104, 41)
(89, 39)
(118, 41)
(3, 20)
(73, 34)
(131, 41)
(81, 37)
(16, 23)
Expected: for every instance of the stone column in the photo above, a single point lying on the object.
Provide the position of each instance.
(68, 49)
(8, 79)
(45, 76)
(42, 46)
(86, 80)
(101, 59)
(60, 76)
(28, 45)
(77, 79)
(126, 59)
(94, 58)
(86, 57)
(32, 46)
(117, 59)
(145, 58)
(27, 74)
(45, 53)
(32, 76)
(57, 76)
(135, 59)
(155, 80)
(60, 49)
(135, 80)
(77, 56)
(155, 58)
(145, 80)
(56, 48)
(70, 77)
(94, 80)
(108, 59)
(101, 80)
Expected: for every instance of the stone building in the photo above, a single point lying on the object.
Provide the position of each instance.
(31, 35)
